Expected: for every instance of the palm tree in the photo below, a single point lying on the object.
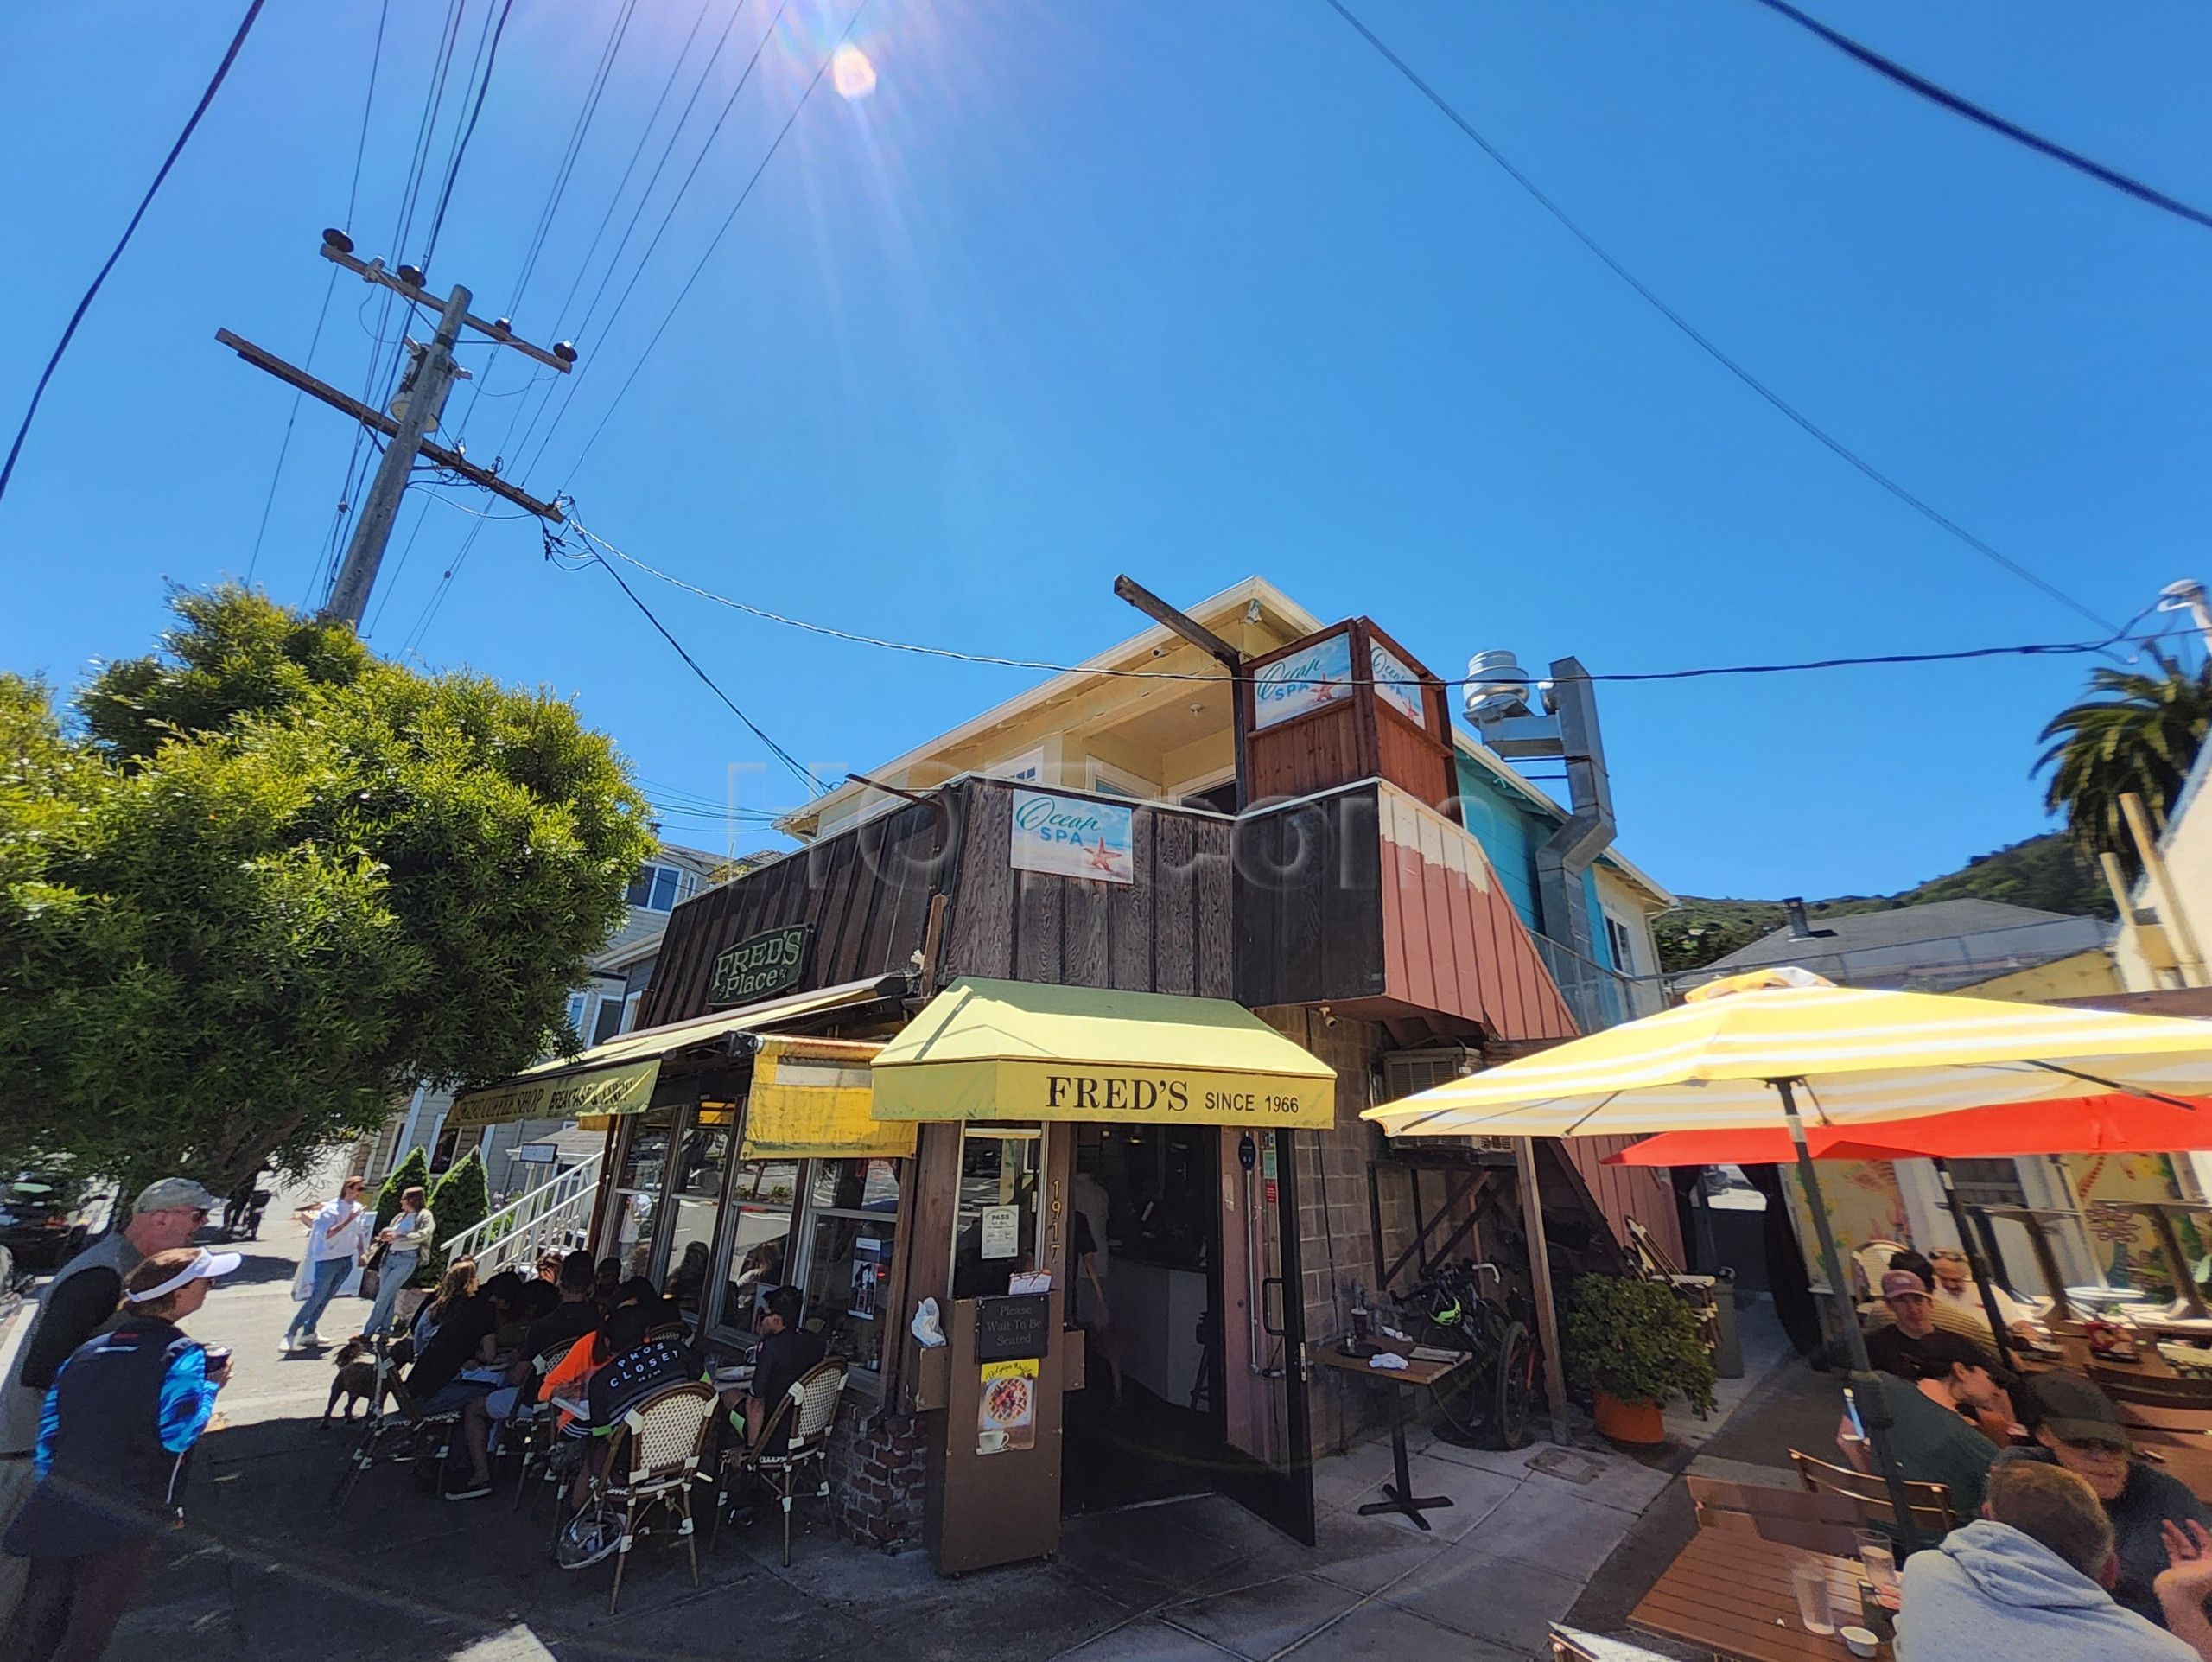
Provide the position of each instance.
(2134, 732)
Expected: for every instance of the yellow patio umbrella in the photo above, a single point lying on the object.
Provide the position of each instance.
(1741, 1051)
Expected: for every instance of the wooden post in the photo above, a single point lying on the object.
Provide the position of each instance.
(1539, 1275)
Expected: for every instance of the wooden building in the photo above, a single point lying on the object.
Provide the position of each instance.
(1063, 981)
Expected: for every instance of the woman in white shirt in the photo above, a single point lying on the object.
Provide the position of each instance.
(330, 1258)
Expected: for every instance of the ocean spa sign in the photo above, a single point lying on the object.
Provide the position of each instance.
(1320, 675)
(1073, 836)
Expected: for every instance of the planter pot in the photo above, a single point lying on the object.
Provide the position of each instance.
(1634, 1423)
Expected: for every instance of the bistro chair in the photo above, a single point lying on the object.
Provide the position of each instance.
(1652, 1263)
(1570, 1644)
(1812, 1521)
(807, 1411)
(1929, 1503)
(1873, 1261)
(652, 1461)
(400, 1433)
(532, 1425)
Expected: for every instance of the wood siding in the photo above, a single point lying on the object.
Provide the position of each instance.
(1357, 736)
(866, 893)
(1166, 931)
(1371, 899)
(1626, 1192)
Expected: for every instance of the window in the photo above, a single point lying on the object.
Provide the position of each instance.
(759, 1211)
(630, 1012)
(610, 1019)
(694, 1198)
(1621, 941)
(1027, 768)
(579, 1012)
(659, 889)
(1109, 780)
(852, 1213)
(1988, 1182)
(637, 1183)
(994, 1222)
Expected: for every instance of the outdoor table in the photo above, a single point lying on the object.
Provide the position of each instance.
(1729, 1593)
(1415, 1375)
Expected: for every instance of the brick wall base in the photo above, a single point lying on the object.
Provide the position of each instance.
(878, 1463)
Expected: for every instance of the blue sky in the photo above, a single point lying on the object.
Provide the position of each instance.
(1190, 291)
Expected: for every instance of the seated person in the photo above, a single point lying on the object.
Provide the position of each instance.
(2027, 1579)
(573, 1316)
(1960, 1373)
(607, 1277)
(2077, 1427)
(786, 1351)
(1954, 1288)
(540, 1298)
(1933, 1444)
(1897, 1349)
(453, 1369)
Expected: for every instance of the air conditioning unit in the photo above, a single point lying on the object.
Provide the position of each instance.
(1405, 1071)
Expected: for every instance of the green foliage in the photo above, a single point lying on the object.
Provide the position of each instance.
(461, 1201)
(275, 882)
(2134, 733)
(414, 1172)
(2045, 872)
(1635, 1341)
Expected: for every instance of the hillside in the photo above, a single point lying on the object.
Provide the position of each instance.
(2042, 872)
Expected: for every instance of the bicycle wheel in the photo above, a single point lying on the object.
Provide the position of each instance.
(1512, 1388)
(1462, 1396)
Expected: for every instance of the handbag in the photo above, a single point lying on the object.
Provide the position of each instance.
(372, 1271)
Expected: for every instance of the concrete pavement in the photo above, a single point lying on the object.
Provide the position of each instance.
(264, 1571)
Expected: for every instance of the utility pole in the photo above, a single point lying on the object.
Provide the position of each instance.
(421, 400)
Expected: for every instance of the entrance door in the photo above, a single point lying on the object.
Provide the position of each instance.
(1268, 1456)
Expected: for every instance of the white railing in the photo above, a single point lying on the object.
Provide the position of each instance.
(556, 1216)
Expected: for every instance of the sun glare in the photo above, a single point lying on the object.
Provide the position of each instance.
(851, 73)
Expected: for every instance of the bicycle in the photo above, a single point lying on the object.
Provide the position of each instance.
(1485, 1401)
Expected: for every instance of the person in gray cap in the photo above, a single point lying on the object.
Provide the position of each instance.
(80, 1299)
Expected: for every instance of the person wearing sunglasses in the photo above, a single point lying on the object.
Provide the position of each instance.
(77, 1303)
(337, 1246)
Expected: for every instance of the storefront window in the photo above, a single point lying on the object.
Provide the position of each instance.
(637, 1190)
(852, 1211)
(694, 1197)
(761, 1195)
(995, 1226)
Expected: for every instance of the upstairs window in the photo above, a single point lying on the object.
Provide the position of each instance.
(1622, 943)
(659, 887)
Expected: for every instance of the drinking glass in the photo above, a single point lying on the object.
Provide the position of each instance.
(1879, 1559)
(1809, 1581)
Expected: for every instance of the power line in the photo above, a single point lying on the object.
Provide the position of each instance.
(69, 331)
(1913, 82)
(714, 686)
(728, 220)
(468, 131)
(2040, 649)
(1705, 342)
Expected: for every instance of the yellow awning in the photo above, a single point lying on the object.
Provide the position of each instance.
(618, 1077)
(810, 1101)
(1017, 1050)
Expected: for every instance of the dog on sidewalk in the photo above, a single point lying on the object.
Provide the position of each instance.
(356, 1363)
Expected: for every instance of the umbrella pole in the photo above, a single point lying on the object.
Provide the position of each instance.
(1866, 1389)
(1975, 1264)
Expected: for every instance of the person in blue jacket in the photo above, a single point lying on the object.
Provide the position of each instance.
(119, 1426)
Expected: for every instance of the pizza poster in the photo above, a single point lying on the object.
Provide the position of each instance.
(1006, 1416)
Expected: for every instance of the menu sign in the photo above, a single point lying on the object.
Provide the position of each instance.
(1073, 836)
(1395, 684)
(1309, 680)
(760, 966)
(1006, 1414)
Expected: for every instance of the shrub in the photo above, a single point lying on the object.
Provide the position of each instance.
(1635, 1341)
(414, 1172)
(461, 1201)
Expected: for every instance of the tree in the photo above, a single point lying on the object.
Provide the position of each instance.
(414, 1172)
(2136, 732)
(461, 1201)
(270, 882)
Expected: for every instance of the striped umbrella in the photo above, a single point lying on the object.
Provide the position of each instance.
(1740, 1052)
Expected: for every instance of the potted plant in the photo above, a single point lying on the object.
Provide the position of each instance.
(1634, 1344)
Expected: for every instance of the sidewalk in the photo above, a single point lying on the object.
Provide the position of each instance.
(264, 1571)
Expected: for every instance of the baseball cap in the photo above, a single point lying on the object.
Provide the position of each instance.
(1900, 1284)
(203, 1266)
(175, 1193)
(2076, 1411)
